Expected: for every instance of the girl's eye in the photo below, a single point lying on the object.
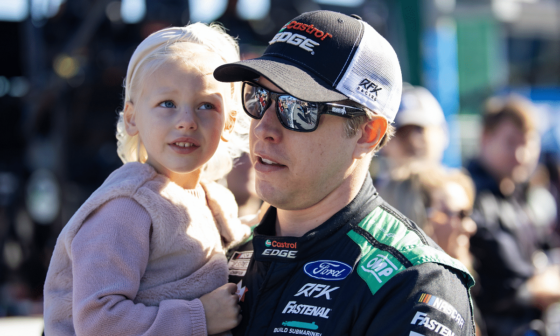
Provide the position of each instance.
(206, 106)
(167, 104)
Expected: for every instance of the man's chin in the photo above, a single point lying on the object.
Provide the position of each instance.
(274, 198)
(277, 197)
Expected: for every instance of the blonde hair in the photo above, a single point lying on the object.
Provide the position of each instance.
(173, 43)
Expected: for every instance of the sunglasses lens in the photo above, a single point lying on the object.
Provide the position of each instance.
(297, 114)
(255, 100)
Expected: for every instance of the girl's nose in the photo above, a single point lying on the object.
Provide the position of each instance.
(187, 121)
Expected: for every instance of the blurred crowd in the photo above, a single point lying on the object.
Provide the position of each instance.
(497, 215)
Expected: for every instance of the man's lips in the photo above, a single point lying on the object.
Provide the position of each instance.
(266, 164)
(267, 161)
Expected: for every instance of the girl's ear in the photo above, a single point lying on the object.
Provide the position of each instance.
(129, 117)
(228, 128)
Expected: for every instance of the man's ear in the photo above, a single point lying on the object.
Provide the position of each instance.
(370, 135)
(228, 128)
(129, 116)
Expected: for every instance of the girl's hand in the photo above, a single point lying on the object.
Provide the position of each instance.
(221, 309)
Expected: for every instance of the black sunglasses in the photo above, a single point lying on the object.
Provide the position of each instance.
(294, 114)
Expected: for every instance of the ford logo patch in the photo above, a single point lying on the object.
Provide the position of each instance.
(327, 269)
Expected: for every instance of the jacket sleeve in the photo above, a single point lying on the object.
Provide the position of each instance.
(110, 255)
(428, 299)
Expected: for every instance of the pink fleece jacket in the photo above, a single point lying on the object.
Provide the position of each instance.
(137, 255)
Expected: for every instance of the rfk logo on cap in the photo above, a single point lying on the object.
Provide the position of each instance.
(368, 88)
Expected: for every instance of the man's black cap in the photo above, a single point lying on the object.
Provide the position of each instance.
(325, 56)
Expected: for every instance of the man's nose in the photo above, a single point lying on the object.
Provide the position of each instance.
(268, 127)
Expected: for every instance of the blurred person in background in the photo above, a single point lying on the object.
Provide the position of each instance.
(514, 288)
(421, 129)
(420, 140)
(448, 197)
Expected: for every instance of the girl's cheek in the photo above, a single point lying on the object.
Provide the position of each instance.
(215, 123)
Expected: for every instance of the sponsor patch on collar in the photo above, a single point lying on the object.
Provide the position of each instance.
(280, 244)
(275, 248)
(239, 262)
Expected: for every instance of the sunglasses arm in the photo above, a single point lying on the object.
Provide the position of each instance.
(344, 111)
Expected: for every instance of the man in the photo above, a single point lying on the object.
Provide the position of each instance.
(330, 256)
(513, 292)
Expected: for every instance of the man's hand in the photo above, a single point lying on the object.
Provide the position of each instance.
(221, 309)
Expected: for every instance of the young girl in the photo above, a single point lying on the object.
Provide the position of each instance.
(144, 254)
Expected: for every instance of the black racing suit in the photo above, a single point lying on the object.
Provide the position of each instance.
(365, 271)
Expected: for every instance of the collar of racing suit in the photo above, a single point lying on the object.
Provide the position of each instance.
(268, 247)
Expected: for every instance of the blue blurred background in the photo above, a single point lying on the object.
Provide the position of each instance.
(62, 65)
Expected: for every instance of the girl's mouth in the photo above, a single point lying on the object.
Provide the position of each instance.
(183, 147)
(184, 144)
